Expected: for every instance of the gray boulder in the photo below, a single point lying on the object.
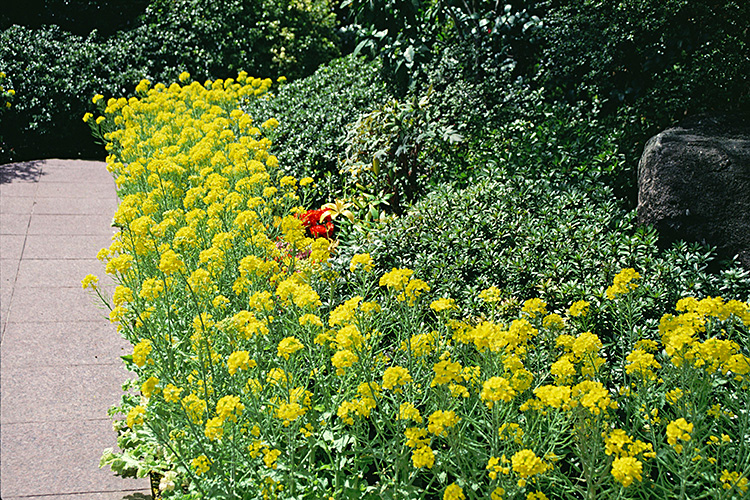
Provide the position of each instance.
(694, 184)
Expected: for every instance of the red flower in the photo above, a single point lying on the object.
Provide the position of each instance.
(318, 223)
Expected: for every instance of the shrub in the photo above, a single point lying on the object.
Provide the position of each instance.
(79, 17)
(313, 115)
(668, 58)
(537, 238)
(391, 149)
(55, 73)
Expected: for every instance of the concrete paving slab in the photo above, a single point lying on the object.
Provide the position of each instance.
(19, 188)
(64, 190)
(77, 225)
(54, 305)
(14, 223)
(44, 246)
(21, 205)
(58, 272)
(11, 246)
(52, 163)
(80, 188)
(60, 458)
(8, 272)
(81, 174)
(62, 344)
(59, 393)
(75, 206)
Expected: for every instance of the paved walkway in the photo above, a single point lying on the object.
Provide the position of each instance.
(60, 367)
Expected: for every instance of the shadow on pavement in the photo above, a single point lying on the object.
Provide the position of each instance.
(22, 171)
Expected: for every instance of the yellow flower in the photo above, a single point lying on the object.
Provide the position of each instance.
(680, 430)
(239, 360)
(194, 407)
(440, 421)
(87, 117)
(363, 260)
(149, 387)
(496, 389)
(172, 393)
(526, 464)
(270, 123)
(343, 359)
(229, 408)
(289, 412)
(443, 304)
(90, 281)
(532, 307)
(454, 492)
(394, 377)
(553, 322)
(579, 308)
(396, 278)
(733, 480)
(423, 457)
(408, 411)
(413, 290)
(490, 295)
(623, 283)
(538, 495)
(270, 457)
(416, 437)
(170, 262)
(214, 428)
(642, 362)
(553, 395)
(287, 346)
(446, 371)
(135, 416)
(201, 464)
(141, 351)
(494, 468)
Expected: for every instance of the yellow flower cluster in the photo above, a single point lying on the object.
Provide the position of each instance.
(624, 282)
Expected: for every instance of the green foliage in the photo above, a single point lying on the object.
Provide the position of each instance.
(313, 113)
(263, 37)
(56, 72)
(388, 149)
(76, 16)
(536, 238)
(408, 34)
(666, 57)
(7, 96)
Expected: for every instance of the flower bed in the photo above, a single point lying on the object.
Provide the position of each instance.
(266, 372)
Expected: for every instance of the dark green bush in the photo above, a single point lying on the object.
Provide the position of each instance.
(80, 17)
(667, 58)
(313, 114)
(55, 73)
(266, 38)
(534, 238)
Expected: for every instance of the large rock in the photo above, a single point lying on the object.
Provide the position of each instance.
(694, 184)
